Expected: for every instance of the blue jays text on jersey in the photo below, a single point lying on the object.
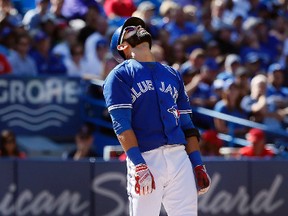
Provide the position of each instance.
(156, 96)
(147, 85)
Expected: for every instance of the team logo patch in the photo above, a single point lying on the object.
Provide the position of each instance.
(175, 113)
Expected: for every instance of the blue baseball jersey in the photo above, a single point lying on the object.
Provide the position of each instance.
(156, 96)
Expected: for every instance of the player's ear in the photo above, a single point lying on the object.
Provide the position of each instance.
(122, 47)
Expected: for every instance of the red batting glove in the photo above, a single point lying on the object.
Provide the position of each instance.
(202, 179)
(144, 180)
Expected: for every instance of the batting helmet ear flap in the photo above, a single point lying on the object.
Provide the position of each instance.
(116, 37)
(115, 40)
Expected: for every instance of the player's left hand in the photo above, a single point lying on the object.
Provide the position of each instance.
(145, 183)
(203, 180)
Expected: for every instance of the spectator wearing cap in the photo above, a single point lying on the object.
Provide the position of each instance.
(277, 94)
(232, 62)
(230, 105)
(21, 62)
(32, 17)
(200, 92)
(213, 50)
(48, 25)
(217, 89)
(257, 145)
(193, 65)
(257, 104)
(47, 63)
(210, 143)
(242, 79)
(254, 63)
(84, 145)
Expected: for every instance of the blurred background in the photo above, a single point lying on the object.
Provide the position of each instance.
(58, 151)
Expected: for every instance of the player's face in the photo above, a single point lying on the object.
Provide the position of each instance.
(135, 35)
(128, 32)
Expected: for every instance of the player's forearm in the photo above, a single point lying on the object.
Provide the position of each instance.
(192, 144)
(128, 140)
(129, 143)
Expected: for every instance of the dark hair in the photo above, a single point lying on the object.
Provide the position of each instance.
(86, 130)
(6, 136)
(21, 36)
(75, 46)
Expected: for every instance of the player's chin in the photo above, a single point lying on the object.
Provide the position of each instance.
(146, 38)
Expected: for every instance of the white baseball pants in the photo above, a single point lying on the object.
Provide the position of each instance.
(174, 181)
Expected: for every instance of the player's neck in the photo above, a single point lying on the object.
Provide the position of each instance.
(142, 53)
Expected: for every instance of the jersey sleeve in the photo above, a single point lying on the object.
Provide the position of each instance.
(116, 90)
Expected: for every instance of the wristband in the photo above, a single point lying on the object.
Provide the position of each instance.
(135, 155)
(195, 158)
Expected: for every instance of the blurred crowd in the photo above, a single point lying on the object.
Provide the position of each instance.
(232, 54)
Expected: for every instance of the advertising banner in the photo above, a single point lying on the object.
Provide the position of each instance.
(8, 186)
(89, 188)
(39, 106)
(53, 188)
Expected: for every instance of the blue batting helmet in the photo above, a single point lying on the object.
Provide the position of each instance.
(116, 37)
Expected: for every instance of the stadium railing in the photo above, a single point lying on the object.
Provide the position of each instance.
(93, 107)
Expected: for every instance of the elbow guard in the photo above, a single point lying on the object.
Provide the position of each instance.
(192, 132)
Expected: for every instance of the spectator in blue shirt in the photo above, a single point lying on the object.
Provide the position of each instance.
(21, 62)
(258, 40)
(277, 95)
(180, 29)
(32, 18)
(256, 103)
(202, 93)
(230, 104)
(47, 62)
(232, 62)
(193, 65)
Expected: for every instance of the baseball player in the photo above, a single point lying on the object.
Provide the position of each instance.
(151, 116)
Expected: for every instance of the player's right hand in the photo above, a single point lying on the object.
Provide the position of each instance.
(144, 180)
(202, 178)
